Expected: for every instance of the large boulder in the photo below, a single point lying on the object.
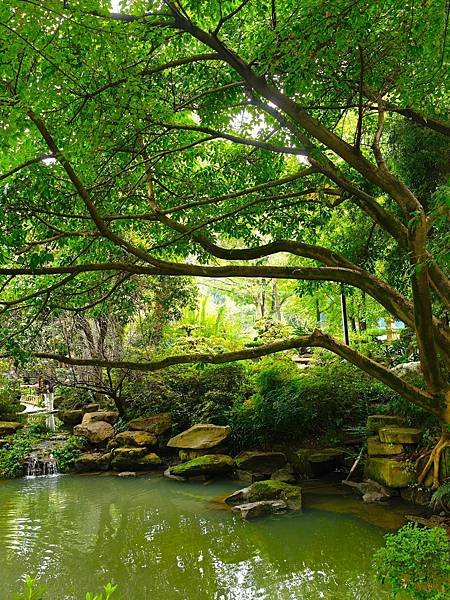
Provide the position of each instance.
(253, 510)
(89, 408)
(70, 418)
(264, 463)
(376, 422)
(309, 462)
(157, 424)
(210, 464)
(98, 432)
(200, 436)
(390, 472)
(134, 439)
(400, 435)
(110, 416)
(9, 427)
(268, 490)
(377, 448)
(93, 461)
(134, 458)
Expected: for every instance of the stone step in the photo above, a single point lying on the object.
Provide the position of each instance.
(390, 472)
(376, 422)
(400, 435)
(377, 448)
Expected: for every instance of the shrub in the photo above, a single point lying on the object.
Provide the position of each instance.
(416, 561)
(67, 454)
(18, 446)
(9, 399)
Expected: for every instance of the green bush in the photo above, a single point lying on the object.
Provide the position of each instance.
(18, 446)
(289, 403)
(416, 561)
(67, 454)
(9, 399)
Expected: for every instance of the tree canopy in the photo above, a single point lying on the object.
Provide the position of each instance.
(196, 138)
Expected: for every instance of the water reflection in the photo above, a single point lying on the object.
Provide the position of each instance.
(160, 539)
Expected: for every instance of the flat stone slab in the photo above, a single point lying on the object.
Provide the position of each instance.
(260, 462)
(156, 424)
(377, 448)
(376, 422)
(253, 510)
(309, 462)
(400, 435)
(200, 436)
(390, 472)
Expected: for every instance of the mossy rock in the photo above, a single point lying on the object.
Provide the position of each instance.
(93, 461)
(156, 424)
(70, 418)
(260, 462)
(209, 464)
(269, 489)
(377, 448)
(186, 455)
(390, 472)
(135, 439)
(376, 422)
(400, 435)
(9, 427)
(127, 458)
(308, 462)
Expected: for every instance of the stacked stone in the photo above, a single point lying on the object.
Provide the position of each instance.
(388, 450)
(128, 450)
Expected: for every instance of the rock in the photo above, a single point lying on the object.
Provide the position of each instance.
(198, 437)
(253, 510)
(309, 462)
(417, 495)
(134, 458)
(285, 474)
(390, 472)
(400, 435)
(109, 416)
(269, 489)
(264, 463)
(376, 422)
(93, 461)
(377, 448)
(70, 418)
(97, 432)
(248, 476)
(210, 464)
(191, 454)
(126, 474)
(9, 427)
(135, 439)
(407, 369)
(89, 408)
(371, 491)
(169, 475)
(157, 424)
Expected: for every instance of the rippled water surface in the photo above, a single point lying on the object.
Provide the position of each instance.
(165, 540)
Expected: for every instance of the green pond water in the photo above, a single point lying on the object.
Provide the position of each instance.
(165, 540)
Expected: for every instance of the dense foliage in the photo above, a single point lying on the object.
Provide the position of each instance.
(417, 561)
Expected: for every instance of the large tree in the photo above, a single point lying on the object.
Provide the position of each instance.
(196, 137)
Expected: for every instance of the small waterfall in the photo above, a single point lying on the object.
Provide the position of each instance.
(37, 466)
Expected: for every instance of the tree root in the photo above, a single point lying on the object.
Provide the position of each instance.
(435, 460)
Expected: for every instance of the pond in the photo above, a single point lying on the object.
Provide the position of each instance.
(165, 540)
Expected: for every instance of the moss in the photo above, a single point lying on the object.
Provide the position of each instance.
(389, 472)
(204, 465)
(271, 489)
